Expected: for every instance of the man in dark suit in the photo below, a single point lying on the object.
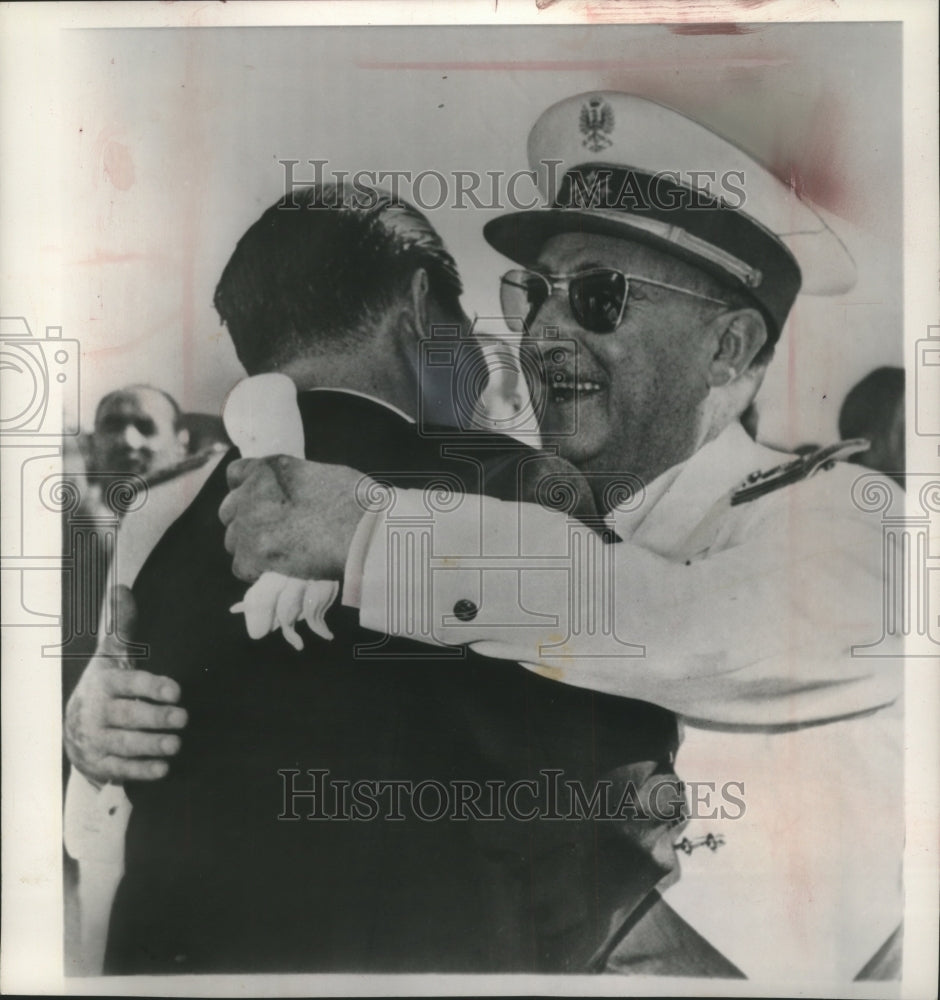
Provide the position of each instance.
(225, 869)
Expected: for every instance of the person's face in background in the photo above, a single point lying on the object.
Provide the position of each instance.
(135, 432)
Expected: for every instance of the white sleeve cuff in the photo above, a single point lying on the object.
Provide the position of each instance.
(95, 820)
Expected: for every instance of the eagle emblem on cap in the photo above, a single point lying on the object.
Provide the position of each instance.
(596, 124)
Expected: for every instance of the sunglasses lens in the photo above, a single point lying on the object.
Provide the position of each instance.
(521, 295)
(597, 300)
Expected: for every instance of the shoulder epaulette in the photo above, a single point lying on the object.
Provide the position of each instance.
(759, 484)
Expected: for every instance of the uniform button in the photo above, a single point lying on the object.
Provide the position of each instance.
(465, 610)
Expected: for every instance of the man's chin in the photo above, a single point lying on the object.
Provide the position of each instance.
(576, 446)
(129, 465)
(578, 426)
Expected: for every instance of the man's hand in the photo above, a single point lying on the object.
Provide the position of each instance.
(111, 736)
(291, 517)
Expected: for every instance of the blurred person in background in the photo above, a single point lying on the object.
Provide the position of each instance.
(141, 439)
(138, 429)
(138, 432)
(874, 409)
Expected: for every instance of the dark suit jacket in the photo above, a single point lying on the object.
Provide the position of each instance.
(216, 882)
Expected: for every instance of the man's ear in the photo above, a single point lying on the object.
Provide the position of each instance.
(420, 290)
(182, 438)
(741, 334)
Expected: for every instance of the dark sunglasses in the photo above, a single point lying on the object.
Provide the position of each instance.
(597, 297)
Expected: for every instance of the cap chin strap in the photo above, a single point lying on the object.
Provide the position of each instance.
(751, 277)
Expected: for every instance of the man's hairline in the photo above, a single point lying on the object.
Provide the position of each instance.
(175, 409)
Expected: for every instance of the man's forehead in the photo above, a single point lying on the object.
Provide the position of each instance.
(137, 402)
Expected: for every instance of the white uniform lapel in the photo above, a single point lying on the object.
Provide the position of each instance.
(684, 507)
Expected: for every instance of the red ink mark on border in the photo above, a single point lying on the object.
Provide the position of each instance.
(711, 29)
(559, 66)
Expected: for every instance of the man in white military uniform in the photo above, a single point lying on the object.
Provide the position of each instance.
(735, 593)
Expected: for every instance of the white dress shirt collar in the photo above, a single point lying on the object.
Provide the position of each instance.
(365, 395)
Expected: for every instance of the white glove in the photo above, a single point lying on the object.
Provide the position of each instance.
(262, 418)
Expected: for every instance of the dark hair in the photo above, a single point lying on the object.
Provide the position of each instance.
(870, 404)
(323, 265)
(126, 390)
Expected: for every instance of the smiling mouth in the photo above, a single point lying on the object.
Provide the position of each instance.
(679, 823)
(565, 389)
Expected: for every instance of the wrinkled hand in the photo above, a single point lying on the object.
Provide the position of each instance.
(290, 516)
(110, 736)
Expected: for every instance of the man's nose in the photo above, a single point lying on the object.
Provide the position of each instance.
(553, 316)
(133, 438)
(554, 336)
